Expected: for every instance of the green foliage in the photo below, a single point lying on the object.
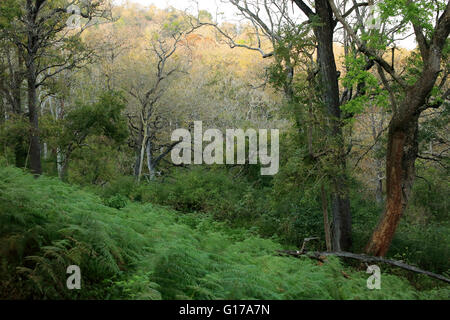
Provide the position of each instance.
(90, 134)
(47, 226)
(103, 117)
(197, 189)
(14, 136)
(371, 93)
(426, 224)
(147, 252)
(420, 12)
(416, 244)
(431, 193)
(205, 16)
(118, 201)
(365, 214)
(123, 185)
(9, 9)
(221, 242)
(95, 164)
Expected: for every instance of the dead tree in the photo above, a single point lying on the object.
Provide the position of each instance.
(146, 123)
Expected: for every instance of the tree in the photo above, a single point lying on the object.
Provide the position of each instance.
(274, 21)
(11, 87)
(147, 121)
(416, 95)
(323, 26)
(103, 117)
(39, 31)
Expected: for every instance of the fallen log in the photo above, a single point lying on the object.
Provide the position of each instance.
(321, 256)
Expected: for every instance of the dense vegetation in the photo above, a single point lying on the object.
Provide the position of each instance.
(241, 202)
(87, 116)
(144, 251)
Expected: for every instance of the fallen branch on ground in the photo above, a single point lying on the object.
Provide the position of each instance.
(321, 256)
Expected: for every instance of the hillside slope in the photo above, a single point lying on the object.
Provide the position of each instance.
(149, 252)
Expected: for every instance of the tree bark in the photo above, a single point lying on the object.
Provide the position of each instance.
(32, 45)
(340, 206)
(400, 173)
(137, 162)
(150, 163)
(379, 189)
(59, 160)
(341, 231)
(141, 157)
(35, 146)
(326, 225)
(64, 169)
(13, 94)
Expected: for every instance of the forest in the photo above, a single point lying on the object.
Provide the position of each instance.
(298, 150)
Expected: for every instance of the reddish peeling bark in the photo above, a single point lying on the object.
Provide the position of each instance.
(400, 173)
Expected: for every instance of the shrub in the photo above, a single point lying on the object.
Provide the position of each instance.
(149, 252)
(118, 201)
(197, 189)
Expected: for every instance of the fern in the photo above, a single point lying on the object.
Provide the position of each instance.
(150, 252)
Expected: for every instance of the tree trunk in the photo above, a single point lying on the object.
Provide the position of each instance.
(140, 159)
(59, 114)
(20, 149)
(402, 140)
(20, 152)
(64, 169)
(342, 222)
(326, 225)
(341, 232)
(137, 162)
(59, 162)
(150, 162)
(32, 45)
(35, 146)
(379, 189)
(400, 174)
(377, 128)
(63, 162)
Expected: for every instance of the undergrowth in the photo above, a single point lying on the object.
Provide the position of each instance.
(143, 251)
